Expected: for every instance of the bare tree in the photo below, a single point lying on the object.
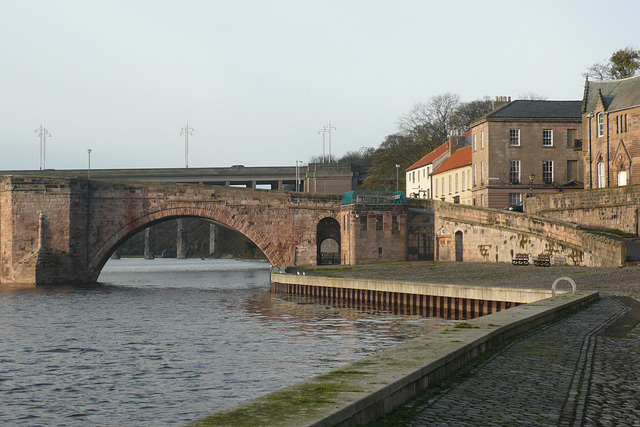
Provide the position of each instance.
(430, 121)
(622, 64)
(532, 96)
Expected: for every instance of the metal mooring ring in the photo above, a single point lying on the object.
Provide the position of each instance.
(568, 279)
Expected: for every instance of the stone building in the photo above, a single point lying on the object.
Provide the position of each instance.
(525, 147)
(611, 132)
(452, 179)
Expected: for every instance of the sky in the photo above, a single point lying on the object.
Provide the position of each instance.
(257, 80)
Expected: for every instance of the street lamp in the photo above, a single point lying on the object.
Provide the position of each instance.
(397, 175)
(89, 169)
(531, 178)
(298, 164)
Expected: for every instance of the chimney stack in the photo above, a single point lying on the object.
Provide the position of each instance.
(500, 101)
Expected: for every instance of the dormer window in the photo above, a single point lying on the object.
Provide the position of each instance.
(600, 121)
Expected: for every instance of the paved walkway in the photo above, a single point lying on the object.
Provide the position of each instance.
(582, 370)
(567, 373)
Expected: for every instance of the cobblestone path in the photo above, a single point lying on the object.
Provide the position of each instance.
(565, 373)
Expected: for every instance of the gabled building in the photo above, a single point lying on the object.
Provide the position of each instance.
(452, 179)
(611, 132)
(525, 147)
(418, 175)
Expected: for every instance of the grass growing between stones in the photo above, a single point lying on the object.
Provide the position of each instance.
(303, 399)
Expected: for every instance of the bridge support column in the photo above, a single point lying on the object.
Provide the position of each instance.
(213, 238)
(149, 243)
(181, 250)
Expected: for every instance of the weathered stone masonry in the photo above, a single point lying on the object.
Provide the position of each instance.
(602, 208)
(495, 236)
(82, 222)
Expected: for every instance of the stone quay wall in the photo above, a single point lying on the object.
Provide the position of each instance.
(600, 208)
(486, 235)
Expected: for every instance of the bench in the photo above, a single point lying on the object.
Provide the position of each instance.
(542, 260)
(520, 259)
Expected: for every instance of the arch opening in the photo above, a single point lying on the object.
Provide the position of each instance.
(109, 245)
(328, 241)
(459, 246)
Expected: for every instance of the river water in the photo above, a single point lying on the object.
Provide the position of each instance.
(164, 342)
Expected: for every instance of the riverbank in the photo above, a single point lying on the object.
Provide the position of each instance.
(618, 281)
(364, 390)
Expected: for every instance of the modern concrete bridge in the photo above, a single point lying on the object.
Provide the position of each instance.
(325, 178)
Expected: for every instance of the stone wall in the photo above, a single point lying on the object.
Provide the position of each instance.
(495, 236)
(83, 222)
(374, 234)
(602, 208)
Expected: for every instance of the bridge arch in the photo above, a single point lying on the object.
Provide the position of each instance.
(328, 233)
(238, 223)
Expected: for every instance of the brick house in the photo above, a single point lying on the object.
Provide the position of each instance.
(525, 147)
(611, 132)
(418, 183)
(452, 179)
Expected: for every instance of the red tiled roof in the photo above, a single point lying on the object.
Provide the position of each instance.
(461, 157)
(429, 158)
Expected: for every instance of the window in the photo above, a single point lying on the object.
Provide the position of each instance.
(600, 122)
(469, 181)
(450, 184)
(514, 171)
(414, 177)
(547, 171)
(601, 178)
(464, 187)
(622, 178)
(442, 183)
(515, 199)
(482, 139)
(474, 142)
(514, 136)
(572, 170)
(482, 173)
(379, 222)
(475, 174)
(482, 200)
(363, 222)
(394, 223)
(547, 137)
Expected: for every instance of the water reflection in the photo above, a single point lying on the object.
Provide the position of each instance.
(163, 342)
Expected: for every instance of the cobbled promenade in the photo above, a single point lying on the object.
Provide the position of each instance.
(580, 370)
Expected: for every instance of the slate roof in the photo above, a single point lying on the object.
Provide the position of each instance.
(429, 158)
(616, 94)
(528, 109)
(461, 157)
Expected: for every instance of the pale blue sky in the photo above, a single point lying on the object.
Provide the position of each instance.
(258, 79)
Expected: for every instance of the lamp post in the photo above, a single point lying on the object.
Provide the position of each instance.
(298, 164)
(531, 178)
(397, 176)
(89, 168)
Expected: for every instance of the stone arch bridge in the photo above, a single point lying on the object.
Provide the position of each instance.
(64, 230)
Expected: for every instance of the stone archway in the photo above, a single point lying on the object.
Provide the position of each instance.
(241, 225)
(328, 241)
(459, 245)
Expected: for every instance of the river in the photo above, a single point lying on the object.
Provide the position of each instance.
(167, 341)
